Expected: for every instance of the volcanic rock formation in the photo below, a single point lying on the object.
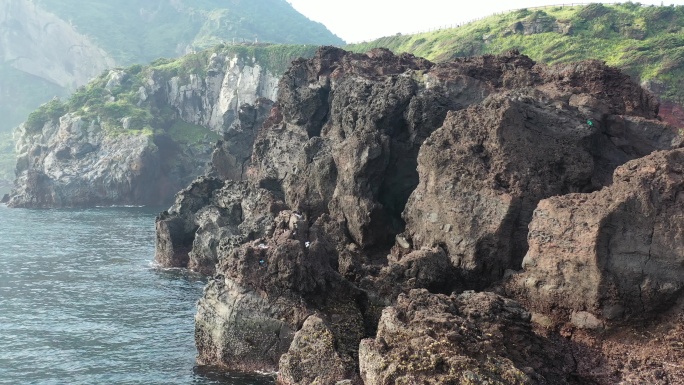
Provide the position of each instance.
(471, 338)
(617, 253)
(382, 185)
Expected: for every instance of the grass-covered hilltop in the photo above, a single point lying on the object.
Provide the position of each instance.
(647, 42)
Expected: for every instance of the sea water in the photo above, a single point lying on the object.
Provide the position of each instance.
(81, 302)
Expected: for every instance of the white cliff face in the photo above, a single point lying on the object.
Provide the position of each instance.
(41, 44)
(76, 163)
(214, 101)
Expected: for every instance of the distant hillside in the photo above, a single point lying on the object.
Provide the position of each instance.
(48, 48)
(645, 41)
(138, 32)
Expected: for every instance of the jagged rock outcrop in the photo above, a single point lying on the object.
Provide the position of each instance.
(484, 171)
(360, 124)
(176, 227)
(60, 162)
(390, 173)
(211, 216)
(298, 155)
(617, 253)
(472, 338)
(265, 290)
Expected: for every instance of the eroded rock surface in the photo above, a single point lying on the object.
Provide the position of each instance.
(484, 171)
(473, 338)
(376, 176)
(617, 253)
(211, 216)
(266, 289)
(73, 163)
(313, 358)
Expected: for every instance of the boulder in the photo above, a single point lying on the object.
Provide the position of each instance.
(617, 253)
(418, 269)
(472, 338)
(313, 359)
(484, 171)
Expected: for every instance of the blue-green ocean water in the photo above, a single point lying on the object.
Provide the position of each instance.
(82, 303)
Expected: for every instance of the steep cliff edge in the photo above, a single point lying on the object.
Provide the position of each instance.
(138, 135)
(381, 186)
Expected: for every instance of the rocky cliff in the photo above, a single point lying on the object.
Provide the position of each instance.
(49, 48)
(382, 188)
(138, 135)
(41, 56)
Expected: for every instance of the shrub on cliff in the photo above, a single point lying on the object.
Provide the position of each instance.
(49, 111)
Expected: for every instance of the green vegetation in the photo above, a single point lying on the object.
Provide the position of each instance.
(117, 105)
(50, 111)
(138, 32)
(273, 58)
(645, 41)
(187, 133)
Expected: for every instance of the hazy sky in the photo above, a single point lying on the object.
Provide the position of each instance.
(358, 20)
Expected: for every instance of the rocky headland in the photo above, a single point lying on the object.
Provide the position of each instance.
(486, 220)
(136, 136)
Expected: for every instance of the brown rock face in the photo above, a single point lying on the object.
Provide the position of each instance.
(473, 338)
(484, 171)
(376, 175)
(350, 131)
(617, 253)
(615, 89)
(313, 358)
